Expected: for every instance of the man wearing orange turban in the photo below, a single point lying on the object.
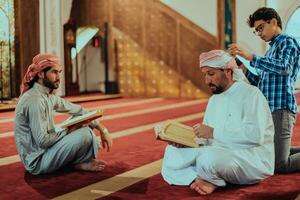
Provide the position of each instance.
(42, 147)
(39, 63)
(239, 130)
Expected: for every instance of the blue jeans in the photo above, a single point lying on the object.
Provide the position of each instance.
(287, 158)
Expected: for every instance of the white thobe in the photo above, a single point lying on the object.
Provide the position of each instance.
(242, 148)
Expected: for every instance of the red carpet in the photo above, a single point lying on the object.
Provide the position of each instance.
(9, 126)
(277, 187)
(120, 123)
(130, 152)
(155, 188)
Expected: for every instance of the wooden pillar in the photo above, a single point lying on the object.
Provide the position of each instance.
(226, 22)
(27, 35)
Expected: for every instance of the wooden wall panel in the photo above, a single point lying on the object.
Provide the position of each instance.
(128, 17)
(191, 46)
(27, 32)
(142, 75)
(131, 66)
(90, 12)
(161, 80)
(157, 48)
(160, 35)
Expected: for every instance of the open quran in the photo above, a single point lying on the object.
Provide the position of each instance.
(171, 131)
(81, 119)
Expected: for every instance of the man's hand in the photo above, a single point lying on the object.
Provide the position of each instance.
(106, 139)
(234, 50)
(203, 131)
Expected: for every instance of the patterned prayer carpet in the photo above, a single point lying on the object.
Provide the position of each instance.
(134, 162)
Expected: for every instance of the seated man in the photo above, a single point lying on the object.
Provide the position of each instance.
(41, 147)
(239, 130)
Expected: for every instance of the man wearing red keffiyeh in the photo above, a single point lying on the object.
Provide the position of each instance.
(42, 147)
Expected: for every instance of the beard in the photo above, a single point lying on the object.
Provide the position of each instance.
(49, 84)
(217, 90)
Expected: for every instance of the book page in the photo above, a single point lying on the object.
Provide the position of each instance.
(82, 118)
(177, 133)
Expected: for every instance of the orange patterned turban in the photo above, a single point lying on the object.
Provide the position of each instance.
(39, 63)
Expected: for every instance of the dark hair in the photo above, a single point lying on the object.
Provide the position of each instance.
(36, 78)
(265, 14)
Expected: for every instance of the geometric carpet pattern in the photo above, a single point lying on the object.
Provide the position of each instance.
(133, 170)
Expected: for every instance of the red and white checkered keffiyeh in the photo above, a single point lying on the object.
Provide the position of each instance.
(39, 63)
(222, 60)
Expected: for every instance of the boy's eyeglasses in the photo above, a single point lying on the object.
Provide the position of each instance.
(259, 29)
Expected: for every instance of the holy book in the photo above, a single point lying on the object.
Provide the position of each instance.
(92, 115)
(171, 131)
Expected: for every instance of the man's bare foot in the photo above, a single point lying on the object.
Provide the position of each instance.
(92, 165)
(203, 187)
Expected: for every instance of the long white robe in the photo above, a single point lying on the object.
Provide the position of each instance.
(242, 148)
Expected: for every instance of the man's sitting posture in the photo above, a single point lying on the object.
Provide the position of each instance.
(239, 130)
(41, 147)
